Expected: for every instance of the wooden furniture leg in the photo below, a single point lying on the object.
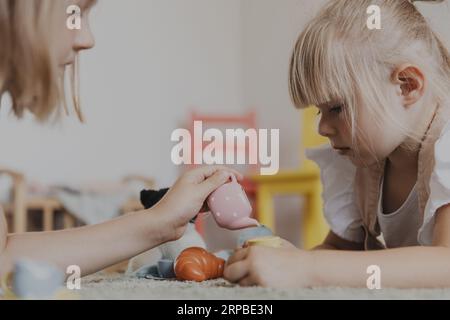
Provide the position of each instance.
(48, 218)
(19, 206)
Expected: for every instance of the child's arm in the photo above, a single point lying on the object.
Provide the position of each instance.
(96, 247)
(92, 248)
(414, 267)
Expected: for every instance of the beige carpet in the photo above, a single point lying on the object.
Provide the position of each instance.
(118, 287)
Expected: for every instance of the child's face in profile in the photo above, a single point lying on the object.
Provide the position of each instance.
(373, 142)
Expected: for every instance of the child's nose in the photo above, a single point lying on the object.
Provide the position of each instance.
(84, 39)
(325, 129)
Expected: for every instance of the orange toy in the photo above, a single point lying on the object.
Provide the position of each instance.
(197, 264)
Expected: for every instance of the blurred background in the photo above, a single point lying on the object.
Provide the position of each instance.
(155, 63)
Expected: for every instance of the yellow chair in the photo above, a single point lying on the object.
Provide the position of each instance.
(304, 181)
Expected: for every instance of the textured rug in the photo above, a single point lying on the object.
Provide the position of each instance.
(120, 287)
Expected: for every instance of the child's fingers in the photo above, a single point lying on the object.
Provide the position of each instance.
(239, 255)
(212, 183)
(248, 282)
(203, 173)
(237, 271)
(236, 173)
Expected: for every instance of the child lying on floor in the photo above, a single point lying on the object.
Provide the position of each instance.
(383, 97)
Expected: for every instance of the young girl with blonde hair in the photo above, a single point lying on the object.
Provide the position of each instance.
(383, 97)
(36, 47)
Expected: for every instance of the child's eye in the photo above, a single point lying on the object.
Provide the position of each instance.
(336, 109)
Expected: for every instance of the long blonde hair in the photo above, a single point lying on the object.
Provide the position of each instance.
(337, 58)
(28, 63)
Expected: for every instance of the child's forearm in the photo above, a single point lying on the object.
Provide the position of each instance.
(92, 248)
(414, 267)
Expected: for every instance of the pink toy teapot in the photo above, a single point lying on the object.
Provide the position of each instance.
(230, 207)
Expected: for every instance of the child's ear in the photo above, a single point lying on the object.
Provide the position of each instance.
(411, 83)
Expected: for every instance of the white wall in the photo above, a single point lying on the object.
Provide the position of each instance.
(153, 60)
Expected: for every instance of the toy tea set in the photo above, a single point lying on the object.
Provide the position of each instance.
(231, 210)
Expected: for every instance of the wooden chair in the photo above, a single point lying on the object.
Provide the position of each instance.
(304, 181)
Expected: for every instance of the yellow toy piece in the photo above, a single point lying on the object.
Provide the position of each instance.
(270, 241)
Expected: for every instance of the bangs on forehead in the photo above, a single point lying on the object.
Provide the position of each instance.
(319, 70)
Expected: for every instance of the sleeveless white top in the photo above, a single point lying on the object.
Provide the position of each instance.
(400, 228)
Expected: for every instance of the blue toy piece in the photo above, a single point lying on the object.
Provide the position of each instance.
(252, 233)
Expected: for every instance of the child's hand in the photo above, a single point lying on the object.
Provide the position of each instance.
(186, 198)
(269, 267)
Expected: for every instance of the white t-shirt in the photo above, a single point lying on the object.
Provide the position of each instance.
(341, 211)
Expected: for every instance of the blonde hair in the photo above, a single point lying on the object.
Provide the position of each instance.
(338, 58)
(28, 64)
